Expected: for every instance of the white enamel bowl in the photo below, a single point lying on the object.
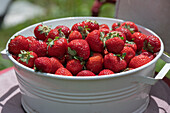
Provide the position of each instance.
(124, 92)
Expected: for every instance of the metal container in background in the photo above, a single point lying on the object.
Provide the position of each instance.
(125, 92)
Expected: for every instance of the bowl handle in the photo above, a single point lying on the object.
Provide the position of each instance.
(159, 76)
(4, 54)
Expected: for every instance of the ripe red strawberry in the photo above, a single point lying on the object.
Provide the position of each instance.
(138, 61)
(152, 44)
(41, 32)
(74, 35)
(132, 45)
(126, 32)
(15, 57)
(105, 72)
(95, 64)
(74, 66)
(64, 29)
(77, 26)
(43, 64)
(115, 45)
(115, 26)
(91, 25)
(130, 25)
(119, 34)
(149, 54)
(138, 38)
(62, 60)
(103, 26)
(128, 52)
(39, 47)
(80, 48)
(114, 63)
(63, 71)
(57, 47)
(104, 30)
(52, 34)
(31, 38)
(85, 73)
(94, 40)
(27, 58)
(55, 64)
(17, 44)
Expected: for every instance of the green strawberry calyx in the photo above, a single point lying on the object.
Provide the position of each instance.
(92, 21)
(44, 29)
(121, 56)
(25, 56)
(50, 42)
(73, 54)
(113, 34)
(148, 47)
(61, 34)
(84, 31)
(129, 28)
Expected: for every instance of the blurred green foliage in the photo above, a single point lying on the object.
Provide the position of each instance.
(53, 9)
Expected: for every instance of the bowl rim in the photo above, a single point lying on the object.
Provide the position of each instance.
(85, 77)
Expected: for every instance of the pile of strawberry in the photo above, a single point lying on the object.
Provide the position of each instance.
(88, 49)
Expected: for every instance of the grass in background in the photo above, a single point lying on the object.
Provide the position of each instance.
(54, 9)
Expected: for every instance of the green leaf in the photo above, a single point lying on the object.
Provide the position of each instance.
(56, 38)
(71, 52)
(122, 38)
(123, 55)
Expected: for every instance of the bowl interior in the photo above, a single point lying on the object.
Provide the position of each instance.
(29, 31)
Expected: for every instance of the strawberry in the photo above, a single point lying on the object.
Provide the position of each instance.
(130, 25)
(115, 26)
(85, 73)
(103, 26)
(43, 64)
(138, 38)
(39, 47)
(105, 72)
(41, 32)
(57, 47)
(52, 34)
(15, 57)
(152, 44)
(131, 44)
(74, 35)
(91, 25)
(80, 48)
(138, 61)
(74, 66)
(55, 64)
(126, 32)
(63, 71)
(77, 26)
(128, 52)
(149, 54)
(95, 64)
(114, 63)
(62, 60)
(104, 30)
(115, 45)
(64, 29)
(31, 38)
(119, 34)
(17, 44)
(94, 40)
(27, 58)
